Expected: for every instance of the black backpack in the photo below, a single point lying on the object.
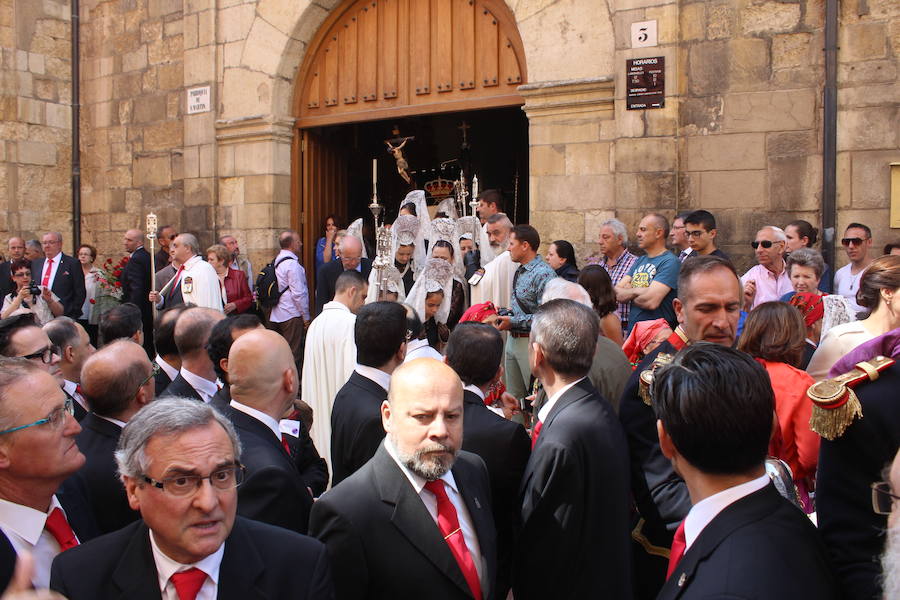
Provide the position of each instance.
(267, 292)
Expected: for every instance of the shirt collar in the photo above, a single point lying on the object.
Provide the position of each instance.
(533, 263)
(335, 305)
(259, 416)
(285, 253)
(551, 401)
(623, 256)
(192, 261)
(417, 481)
(25, 521)
(69, 387)
(202, 385)
(475, 390)
(377, 375)
(169, 370)
(166, 567)
(121, 424)
(702, 513)
(54, 258)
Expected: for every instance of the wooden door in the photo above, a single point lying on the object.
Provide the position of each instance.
(322, 190)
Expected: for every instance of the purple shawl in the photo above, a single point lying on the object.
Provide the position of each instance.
(884, 345)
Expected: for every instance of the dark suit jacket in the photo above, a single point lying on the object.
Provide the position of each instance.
(6, 282)
(136, 287)
(80, 412)
(163, 259)
(260, 562)
(356, 429)
(327, 276)
(383, 543)
(273, 491)
(180, 388)
(162, 381)
(759, 547)
(98, 479)
(848, 465)
(68, 285)
(575, 540)
(504, 446)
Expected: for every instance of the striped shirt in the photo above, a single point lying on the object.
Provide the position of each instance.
(616, 272)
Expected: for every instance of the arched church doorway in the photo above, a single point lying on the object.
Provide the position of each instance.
(441, 75)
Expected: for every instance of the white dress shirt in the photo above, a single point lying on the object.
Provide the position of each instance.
(702, 513)
(166, 567)
(430, 501)
(70, 388)
(24, 527)
(420, 349)
(168, 369)
(118, 423)
(265, 419)
(377, 375)
(551, 401)
(39, 277)
(206, 388)
(291, 277)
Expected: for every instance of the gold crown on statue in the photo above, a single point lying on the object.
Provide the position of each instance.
(440, 187)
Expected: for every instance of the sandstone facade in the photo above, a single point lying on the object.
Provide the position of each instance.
(740, 133)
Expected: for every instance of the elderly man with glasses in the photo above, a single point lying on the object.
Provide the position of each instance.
(180, 463)
(117, 381)
(37, 453)
(769, 279)
(351, 258)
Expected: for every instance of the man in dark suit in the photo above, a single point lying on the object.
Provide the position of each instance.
(356, 431)
(16, 247)
(118, 382)
(38, 453)
(167, 358)
(197, 377)
(351, 258)
(475, 352)
(61, 274)
(136, 282)
(415, 521)
(75, 348)
(263, 386)
(165, 235)
(741, 538)
(186, 493)
(575, 499)
(707, 308)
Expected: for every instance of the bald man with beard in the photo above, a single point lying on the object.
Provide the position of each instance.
(351, 258)
(264, 384)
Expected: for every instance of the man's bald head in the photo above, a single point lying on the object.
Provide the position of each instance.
(261, 372)
(192, 330)
(350, 244)
(116, 379)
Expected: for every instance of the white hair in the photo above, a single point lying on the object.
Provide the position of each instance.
(618, 228)
(778, 232)
(561, 288)
(890, 563)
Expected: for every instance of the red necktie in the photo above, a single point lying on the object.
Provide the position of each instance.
(678, 545)
(448, 523)
(188, 583)
(536, 432)
(175, 281)
(59, 528)
(286, 444)
(46, 280)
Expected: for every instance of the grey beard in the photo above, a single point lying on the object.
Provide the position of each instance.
(431, 468)
(890, 563)
(501, 247)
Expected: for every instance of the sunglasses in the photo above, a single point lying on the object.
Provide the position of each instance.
(853, 241)
(45, 354)
(765, 244)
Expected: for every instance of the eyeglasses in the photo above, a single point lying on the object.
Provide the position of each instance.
(698, 232)
(882, 498)
(765, 244)
(46, 354)
(56, 418)
(154, 371)
(853, 241)
(226, 478)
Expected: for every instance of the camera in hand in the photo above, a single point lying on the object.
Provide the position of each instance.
(34, 289)
(504, 312)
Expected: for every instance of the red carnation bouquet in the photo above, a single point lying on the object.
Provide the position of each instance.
(109, 278)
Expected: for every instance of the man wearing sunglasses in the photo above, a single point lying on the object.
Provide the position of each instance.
(769, 279)
(857, 241)
(180, 463)
(21, 337)
(164, 236)
(37, 453)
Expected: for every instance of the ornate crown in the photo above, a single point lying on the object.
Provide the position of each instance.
(440, 187)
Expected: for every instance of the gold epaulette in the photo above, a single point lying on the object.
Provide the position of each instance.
(835, 404)
(646, 376)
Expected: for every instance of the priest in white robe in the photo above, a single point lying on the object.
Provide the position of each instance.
(495, 284)
(330, 355)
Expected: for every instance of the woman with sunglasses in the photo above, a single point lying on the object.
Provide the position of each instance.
(45, 305)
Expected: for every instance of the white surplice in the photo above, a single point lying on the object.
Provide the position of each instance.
(496, 285)
(329, 358)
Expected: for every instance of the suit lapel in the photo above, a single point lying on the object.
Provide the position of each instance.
(135, 575)
(241, 567)
(412, 519)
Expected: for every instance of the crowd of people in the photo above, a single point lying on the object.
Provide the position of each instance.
(469, 414)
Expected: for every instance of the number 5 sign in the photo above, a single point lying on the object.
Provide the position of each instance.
(643, 34)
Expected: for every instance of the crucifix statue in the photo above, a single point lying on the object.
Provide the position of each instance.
(395, 147)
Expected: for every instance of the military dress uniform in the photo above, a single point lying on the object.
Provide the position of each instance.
(660, 495)
(858, 416)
